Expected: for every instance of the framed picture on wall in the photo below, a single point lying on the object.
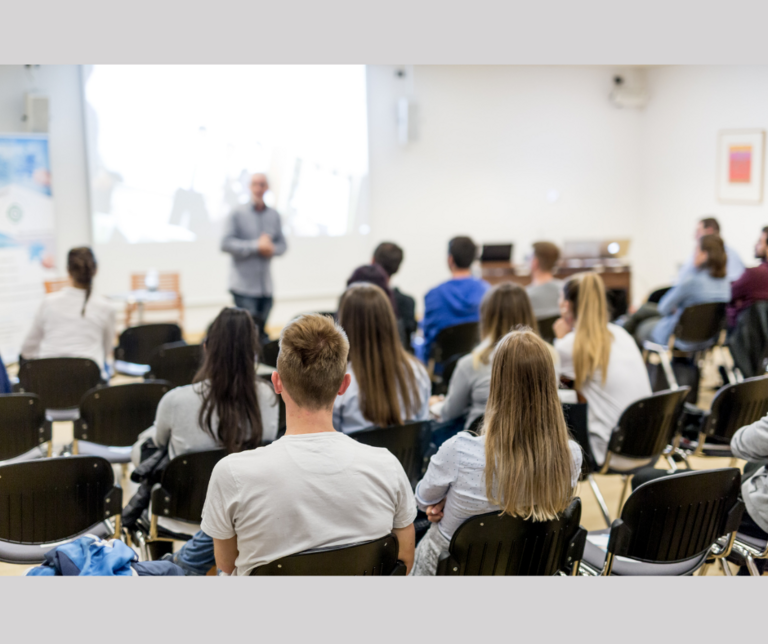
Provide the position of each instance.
(740, 166)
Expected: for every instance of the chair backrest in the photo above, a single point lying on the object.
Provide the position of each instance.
(22, 424)
(701, 323)
(184, 484)
(51, 286)
(175, 362)
(166, 282)
(378, 557)
(576, 420)
(678, 517)
(648, 425)
(456, 340)
(269, 353)
(495, 544)
(735, 406)
(138, 343)
(52, 499)
(404, 441)
(60, 382)
(546, 330)
(116, 415)
(655, 296)
(477, 424)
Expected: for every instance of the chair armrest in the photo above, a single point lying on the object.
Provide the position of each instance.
(446, 567)
(575, 551)
(399, 570)
(654, 347)
(618, 543)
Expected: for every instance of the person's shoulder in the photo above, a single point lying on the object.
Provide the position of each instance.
(620, 333)
(463, 442)
(566, 342)
(182, 394)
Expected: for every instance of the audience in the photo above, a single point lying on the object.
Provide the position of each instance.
(456, 301)
(752, 286)
(522, 463)
(544, 289)
(734, 267)
(314, 487)
(389, 256)
(74, 322)
(600, 358)
(707, 284)
(504, 308)
(387, 385)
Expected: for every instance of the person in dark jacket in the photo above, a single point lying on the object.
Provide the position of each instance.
(389, 256)
(752, 286)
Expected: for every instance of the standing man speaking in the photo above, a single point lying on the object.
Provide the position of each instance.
(253, 235)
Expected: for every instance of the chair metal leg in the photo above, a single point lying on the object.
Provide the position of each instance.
(666, 365)
(752, 567)
(703, 570)
(600, 500)
(726, 568)
(733, 461)
(626, 478)
(672, 464)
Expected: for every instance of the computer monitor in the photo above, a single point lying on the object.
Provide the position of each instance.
(496, 253)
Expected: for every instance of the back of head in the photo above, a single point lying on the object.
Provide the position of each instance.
(373, 274)
(463, 251)
(527, 456)
(389, 256)
(717, 259)
(312, 360)
(505, 307)
(383, 371)
(229, 374)
(710, 223)
(592, 344)
(81, 266)
(547, 255)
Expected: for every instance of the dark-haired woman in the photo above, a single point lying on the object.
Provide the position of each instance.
(74, 322)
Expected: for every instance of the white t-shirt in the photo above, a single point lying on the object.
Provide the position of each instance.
(627, 381)
(60, 330)
(304, 492)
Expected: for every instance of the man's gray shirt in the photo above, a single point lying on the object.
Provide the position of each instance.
(249, 274)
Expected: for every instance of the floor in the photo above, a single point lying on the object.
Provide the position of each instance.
(592, 518)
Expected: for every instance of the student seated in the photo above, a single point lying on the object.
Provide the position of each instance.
(503, 308)
(601, 359)
(522, 464)
(389, 256)
(544, 289)
(707, 284)
(314, 487)
(734, 266)
(387, 385)
(752, 286)
(373, 274)
(73, 322)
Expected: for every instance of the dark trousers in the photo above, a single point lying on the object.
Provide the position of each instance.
(259, 308)
(642, 322)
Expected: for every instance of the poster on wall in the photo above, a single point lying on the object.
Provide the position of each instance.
(27, 235)
(740, 166)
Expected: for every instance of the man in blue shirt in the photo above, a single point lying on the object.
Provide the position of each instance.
(456, 301)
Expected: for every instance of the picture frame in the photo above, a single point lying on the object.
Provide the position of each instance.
(741, 160)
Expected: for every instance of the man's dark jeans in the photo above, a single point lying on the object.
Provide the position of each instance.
(259, 308)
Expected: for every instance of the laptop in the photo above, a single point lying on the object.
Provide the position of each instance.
(496, 253)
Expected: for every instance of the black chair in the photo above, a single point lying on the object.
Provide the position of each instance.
(60, 383)
(404, 441)
(180, 495)
(24, 430)
(671, 526)
(51, 500)
(449, 366)
(378, 557)
(451, 344)
(645, 430)
(496, 544)
(699, 327)
(655, 296)
(745, 550)
(546, 330)
(137, 344)
(176, 363)
(269, 353)
(748, 341)
(113, 417)
(733, 407)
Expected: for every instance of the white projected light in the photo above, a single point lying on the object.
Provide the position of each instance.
(171, 147)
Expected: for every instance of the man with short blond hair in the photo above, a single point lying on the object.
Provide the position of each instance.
(314, 487)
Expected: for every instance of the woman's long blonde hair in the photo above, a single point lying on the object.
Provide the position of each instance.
(384, 371)
(527, 457)
(592, 344)
(503, 308)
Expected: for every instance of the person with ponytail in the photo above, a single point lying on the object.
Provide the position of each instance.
(522, 463)
(74, 322)
(600, 358)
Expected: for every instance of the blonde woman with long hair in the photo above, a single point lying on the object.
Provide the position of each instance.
(522, 464)
(601, 358)
(504, 308)
(389, 386)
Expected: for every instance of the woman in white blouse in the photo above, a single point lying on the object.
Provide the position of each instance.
(73, 322)
(522, 464)
(389, 386)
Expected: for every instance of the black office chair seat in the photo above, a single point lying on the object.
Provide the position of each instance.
(594, 556)
(25, 554)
